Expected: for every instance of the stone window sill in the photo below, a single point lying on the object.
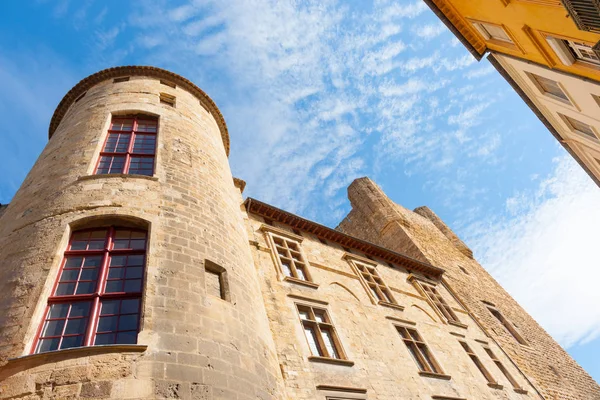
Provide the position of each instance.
(301, 282)
(100, 176)
(435, 375)
(328, 360)
(459, 324)
(495, 386)
(391, 305)
(520, 390)
(32, 360)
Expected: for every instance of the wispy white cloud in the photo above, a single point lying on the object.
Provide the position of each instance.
(544, 252)
(429, 31)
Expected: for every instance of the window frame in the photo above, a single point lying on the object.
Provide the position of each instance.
(274, 234)
(99, 295)
(535, 80)
(567, 121)
(421, 284)
(511, 379)
(562, 48)
(480, 27)
(316, 327)
(479, 364)
(508, 325)
(421, 352)
(377, 290)
(129, 153)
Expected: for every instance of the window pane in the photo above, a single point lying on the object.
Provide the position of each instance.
(108, 338)
(133, 286)
(130, 306)
(145, 125)
(121, 125)
(65, 289)
(72, 341)
(287, 269)
(329, 343)
(312, 341)
(144, 144)
(47, 345)
(107, 324)
(58, 311)
(67, 321)
(111, 165)
(413, 352)
(128, 322)
(117, 143)
(110, 307)
(141, 165)
(127, 337)
(76, 326)
(53, 328)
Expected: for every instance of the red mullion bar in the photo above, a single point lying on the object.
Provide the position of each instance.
(84, 253)
(95, 308)
(71, 298)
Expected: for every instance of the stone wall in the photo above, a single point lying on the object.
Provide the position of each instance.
(375, 218)
(198, 346)
(378, 361)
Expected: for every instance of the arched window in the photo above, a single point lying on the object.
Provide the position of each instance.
(130, 146)
(96, 299)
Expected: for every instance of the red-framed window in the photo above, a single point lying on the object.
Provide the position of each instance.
(130, 146)
(96, 298)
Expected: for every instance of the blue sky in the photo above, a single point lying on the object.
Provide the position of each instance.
(318, 93)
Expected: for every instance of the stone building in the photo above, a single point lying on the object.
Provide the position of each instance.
(132, 268)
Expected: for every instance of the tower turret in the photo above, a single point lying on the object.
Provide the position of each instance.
(125, 270)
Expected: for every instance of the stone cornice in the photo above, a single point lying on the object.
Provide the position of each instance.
(265, 210)
(135, 70)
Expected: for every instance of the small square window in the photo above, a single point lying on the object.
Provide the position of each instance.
(215, 280)
(580, 127)
(549, 88)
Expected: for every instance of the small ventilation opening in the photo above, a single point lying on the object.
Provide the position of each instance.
(167, 99)
(167, 83)
(121, 79)
(215, 280)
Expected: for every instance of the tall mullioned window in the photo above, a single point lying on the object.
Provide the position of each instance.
(291, 258)
(419, 350)
(439, 302)
(374, 283)
(320, 333)
(510, 328)
(96, 299)
(130, 146)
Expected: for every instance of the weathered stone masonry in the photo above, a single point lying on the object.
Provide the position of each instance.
(247, 339)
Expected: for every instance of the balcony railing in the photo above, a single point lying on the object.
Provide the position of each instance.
(585, 13)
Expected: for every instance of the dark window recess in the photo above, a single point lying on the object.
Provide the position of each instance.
(215, 280)
(122, 79)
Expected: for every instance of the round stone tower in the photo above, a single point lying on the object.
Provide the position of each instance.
(131, 216)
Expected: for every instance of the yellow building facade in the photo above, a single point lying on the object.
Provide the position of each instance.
(542, 31)
(549, 52)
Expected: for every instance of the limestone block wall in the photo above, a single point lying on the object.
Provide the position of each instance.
(191, 345)
(381, 367)
(375, 218)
